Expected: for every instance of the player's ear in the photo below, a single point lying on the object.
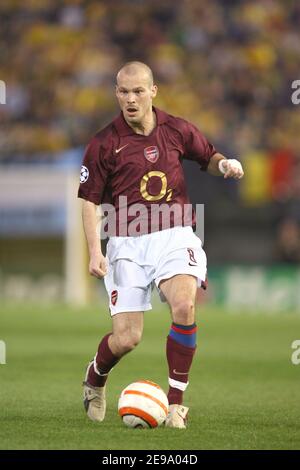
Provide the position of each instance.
(154, 91)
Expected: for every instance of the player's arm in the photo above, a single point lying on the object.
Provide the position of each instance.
(196, 147)
(221, 166)
(93, 177)
(97, 265)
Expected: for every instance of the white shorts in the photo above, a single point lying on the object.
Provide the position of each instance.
(135, 264)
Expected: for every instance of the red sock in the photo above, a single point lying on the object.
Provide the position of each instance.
(105, 361)
(180, 359)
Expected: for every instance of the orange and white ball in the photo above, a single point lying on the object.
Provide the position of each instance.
(143, 404)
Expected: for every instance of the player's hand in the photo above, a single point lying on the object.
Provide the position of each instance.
(98, 265)
(231, 168)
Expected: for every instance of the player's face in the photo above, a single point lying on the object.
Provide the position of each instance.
(135, 94)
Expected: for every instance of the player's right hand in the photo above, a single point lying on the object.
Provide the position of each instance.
(98, 265)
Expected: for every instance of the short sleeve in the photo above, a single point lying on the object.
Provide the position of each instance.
(93, 173)
(196, 146)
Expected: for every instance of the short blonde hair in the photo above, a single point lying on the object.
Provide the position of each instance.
(131, 68)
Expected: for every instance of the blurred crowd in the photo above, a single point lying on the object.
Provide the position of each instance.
(227, 66)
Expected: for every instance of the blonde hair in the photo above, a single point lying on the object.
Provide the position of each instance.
(131, 68)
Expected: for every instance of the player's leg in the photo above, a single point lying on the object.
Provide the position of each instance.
(129, 292)
(180, 293)
(126, 334)
(127, 329)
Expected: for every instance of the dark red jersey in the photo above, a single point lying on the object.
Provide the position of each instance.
(147, 170)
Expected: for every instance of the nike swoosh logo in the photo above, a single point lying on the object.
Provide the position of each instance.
(121, 148)
(190, 264)
(179, 373)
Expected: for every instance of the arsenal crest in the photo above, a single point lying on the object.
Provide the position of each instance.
(114, 297)
(151, 153)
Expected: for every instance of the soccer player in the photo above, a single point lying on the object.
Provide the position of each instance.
(139, 156)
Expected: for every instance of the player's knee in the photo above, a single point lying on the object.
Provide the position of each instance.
(183, 311)
(128, 341)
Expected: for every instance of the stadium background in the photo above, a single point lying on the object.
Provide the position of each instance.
(226, 66)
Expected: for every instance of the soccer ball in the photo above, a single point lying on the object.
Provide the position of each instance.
(143, 404)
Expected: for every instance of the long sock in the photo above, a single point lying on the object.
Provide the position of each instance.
(104, 361)
(181, 347)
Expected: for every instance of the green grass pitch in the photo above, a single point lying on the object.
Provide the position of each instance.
(244, 391)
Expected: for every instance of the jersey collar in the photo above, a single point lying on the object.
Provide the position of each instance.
(124, 129)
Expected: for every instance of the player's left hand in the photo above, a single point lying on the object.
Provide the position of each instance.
(231, 168)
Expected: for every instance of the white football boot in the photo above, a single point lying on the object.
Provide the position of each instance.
(94, 400)
(177, 417)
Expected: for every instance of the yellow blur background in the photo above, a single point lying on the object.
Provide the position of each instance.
(228, 67)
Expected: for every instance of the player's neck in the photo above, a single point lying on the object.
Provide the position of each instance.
(146, 126)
